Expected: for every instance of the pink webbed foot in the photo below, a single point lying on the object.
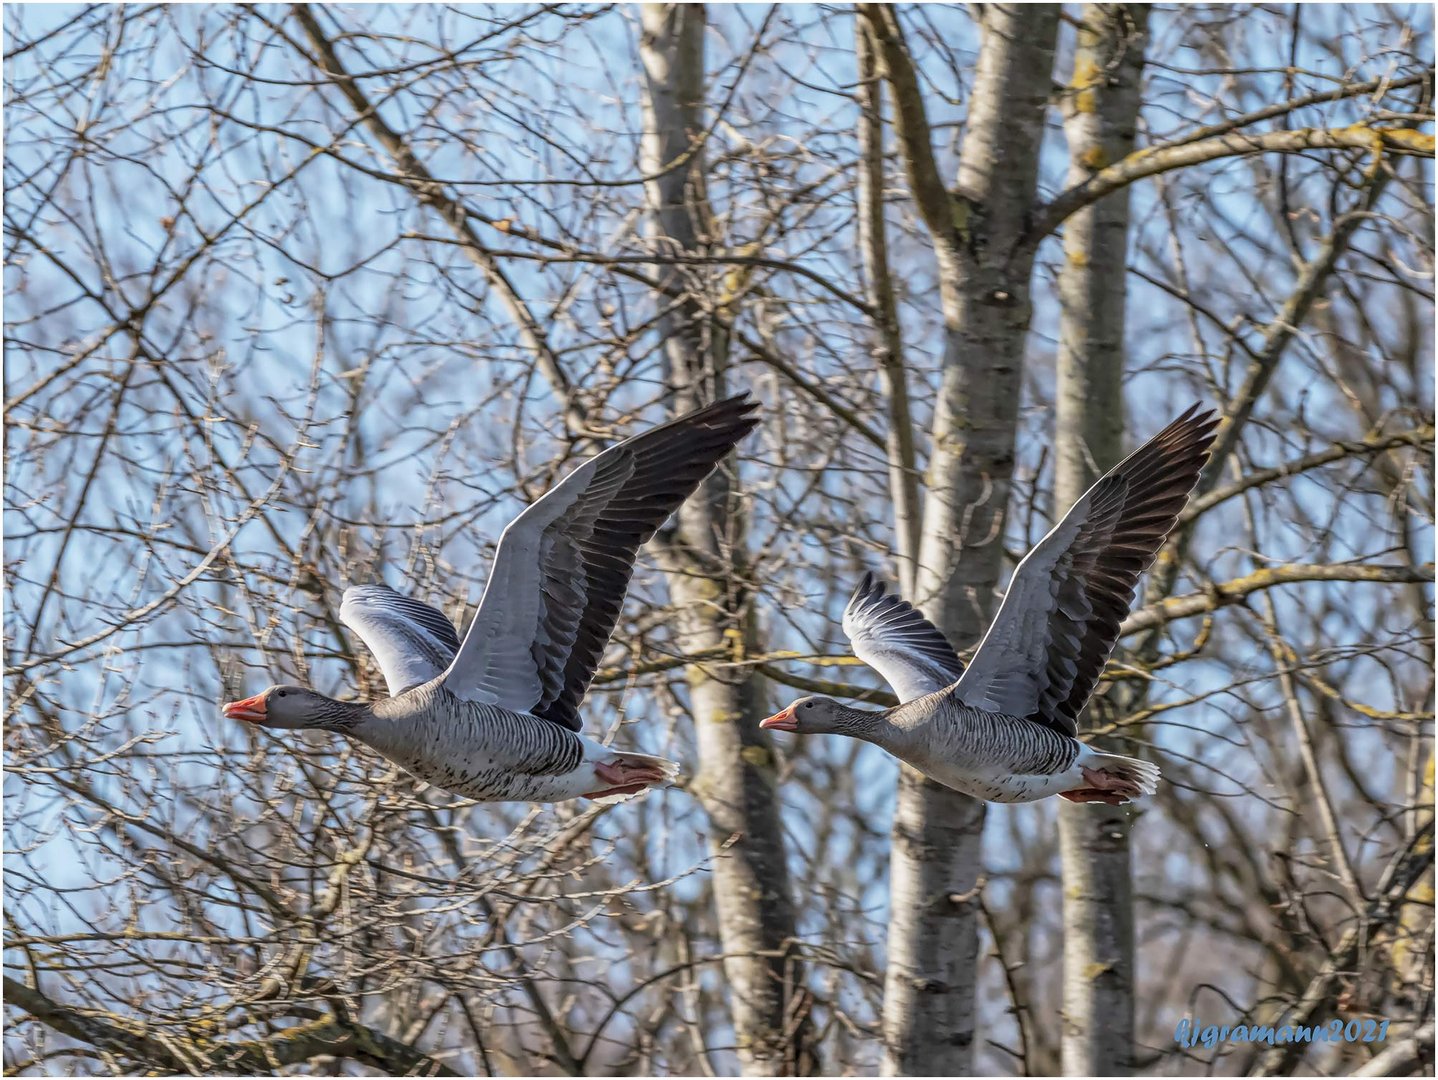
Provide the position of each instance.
(1103, 787)
(625, 777)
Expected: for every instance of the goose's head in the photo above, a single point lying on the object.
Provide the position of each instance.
(292, 707)
(813, 716)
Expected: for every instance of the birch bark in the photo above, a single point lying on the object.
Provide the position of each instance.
(879, 293)
(928, 1019)
(736, 776)
(1100, 113)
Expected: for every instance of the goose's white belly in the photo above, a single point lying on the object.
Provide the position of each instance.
(995, 786)
(478, 776)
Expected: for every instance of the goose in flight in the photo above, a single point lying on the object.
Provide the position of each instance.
(1005, 729)
(497, 717)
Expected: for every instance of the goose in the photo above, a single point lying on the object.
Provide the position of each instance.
(1005, 729)
(496, 718)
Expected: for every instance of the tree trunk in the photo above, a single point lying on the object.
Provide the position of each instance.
(736, 778)
(879, 293)
(1100, 113)
(928, 1019)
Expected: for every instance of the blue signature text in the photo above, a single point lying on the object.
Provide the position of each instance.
(1190, 1033)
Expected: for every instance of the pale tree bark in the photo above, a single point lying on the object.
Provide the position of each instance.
(879, 293)
(736, 778)
(1100, 113)
(928, 1019)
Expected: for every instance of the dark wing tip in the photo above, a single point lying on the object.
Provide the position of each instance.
(1191, 436)
(741, 404)
(1141, 500)
(1195, 420)
(662, 467)
(743, 411)
(743, 400)
(730, 419)
(868, 588)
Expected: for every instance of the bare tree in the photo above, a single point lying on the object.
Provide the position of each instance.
(304, 296)
(708, 566)
(1100, 107)
(933, 931)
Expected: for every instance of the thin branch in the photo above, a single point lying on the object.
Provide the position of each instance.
(1313, 277)
(1319, 97)
(1151, 161)
(1283, 658)
(1403, 871)
(1152, 616)
(879, 291)
(429, 191)
(911, 120)
(291, 1046)
(1373, 444)
(1403, 1054)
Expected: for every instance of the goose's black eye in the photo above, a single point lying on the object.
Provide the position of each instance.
(280, 693)
(808, 704)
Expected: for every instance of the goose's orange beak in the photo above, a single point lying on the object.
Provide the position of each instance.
(251, 709)
(781, 721)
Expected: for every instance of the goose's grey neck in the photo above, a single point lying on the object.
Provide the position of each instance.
(332, 715)
(871, 725)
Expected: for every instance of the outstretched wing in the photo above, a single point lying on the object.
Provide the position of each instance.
(412, 641)
(889, 634)
(563, 566)
(1060, 618)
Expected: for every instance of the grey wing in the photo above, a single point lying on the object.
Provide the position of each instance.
(563, 566)
(888, 634)
(412, 641)
(1060, 618)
